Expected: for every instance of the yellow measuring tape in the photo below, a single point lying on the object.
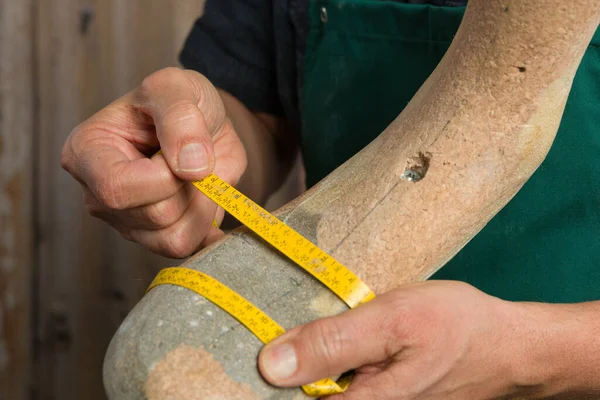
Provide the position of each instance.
(315, 261)
(259, 323)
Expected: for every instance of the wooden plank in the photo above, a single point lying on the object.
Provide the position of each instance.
(61, 233)
(16, 255)
(90, 52)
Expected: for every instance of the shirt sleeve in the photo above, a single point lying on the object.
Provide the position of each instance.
(233, 45)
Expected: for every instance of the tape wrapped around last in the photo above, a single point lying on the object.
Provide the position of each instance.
(326, 269)
(259, 323)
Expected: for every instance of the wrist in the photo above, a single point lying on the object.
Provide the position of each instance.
(556, 349)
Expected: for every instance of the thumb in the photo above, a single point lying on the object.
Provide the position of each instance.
(329, 346)
(186, 110)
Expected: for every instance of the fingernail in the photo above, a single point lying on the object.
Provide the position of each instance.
(193, 157)
(280, 361)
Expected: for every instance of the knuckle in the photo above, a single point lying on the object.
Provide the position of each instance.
(397, 326)
(211, 104)
(179, 244)
(330, 340)
(196, 78)
(177, 251)
(201, 85)
(67, 155)
(180, 111)
(66, 158)
(158, 79)
(110, 193)
(162, 214)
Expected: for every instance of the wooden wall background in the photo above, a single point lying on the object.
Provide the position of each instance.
(17, 108)
(66, 280)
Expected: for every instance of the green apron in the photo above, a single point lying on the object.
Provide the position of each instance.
(365, 60)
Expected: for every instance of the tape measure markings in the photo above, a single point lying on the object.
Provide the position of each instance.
(244, 311)
(339, 279)
(252, 317)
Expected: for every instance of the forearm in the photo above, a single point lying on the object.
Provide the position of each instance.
(269, 148)
(559, 347)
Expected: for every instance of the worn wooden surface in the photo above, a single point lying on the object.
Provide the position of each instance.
(16, 127)
(89, 53)
(63, 295)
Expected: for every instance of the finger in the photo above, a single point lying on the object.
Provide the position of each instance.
(212, 236)
(187, 110)
(334, 345)
(185, 236)
(97, 209)
(159, 215)
(154, 216)
(118, 175)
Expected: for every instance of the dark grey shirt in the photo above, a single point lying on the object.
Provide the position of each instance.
(254, 49)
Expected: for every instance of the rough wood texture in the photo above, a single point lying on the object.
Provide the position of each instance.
(61, 61)
(89, 53)
(477, 130)
(16, 244)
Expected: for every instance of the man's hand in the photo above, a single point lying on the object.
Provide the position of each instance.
(445, 340)
(147, 199)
